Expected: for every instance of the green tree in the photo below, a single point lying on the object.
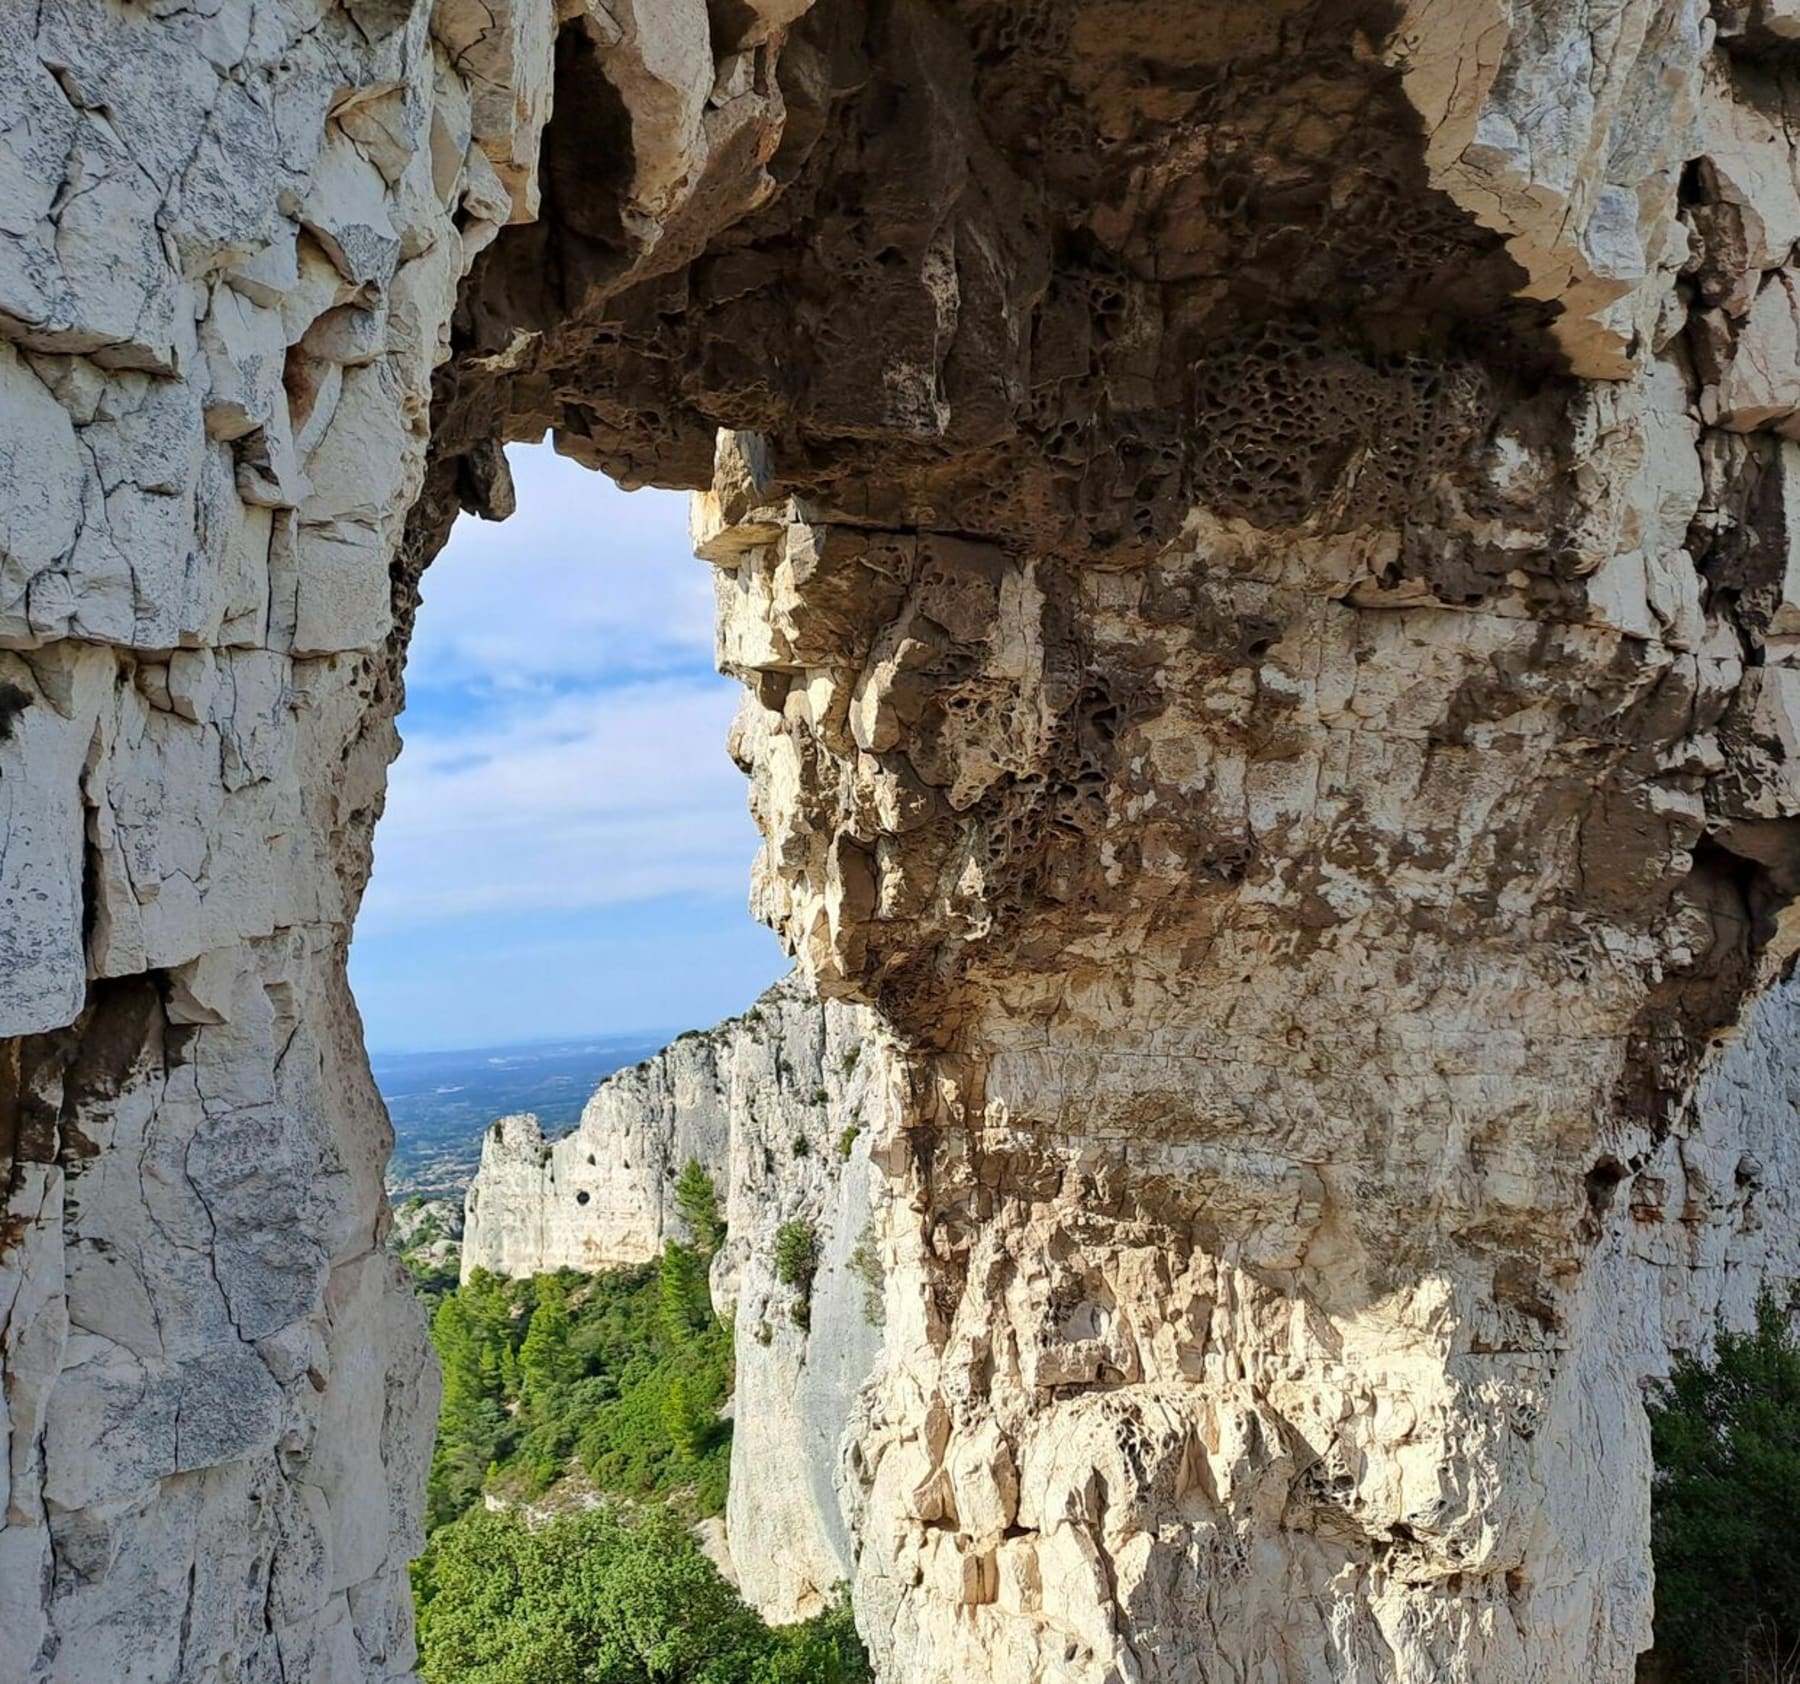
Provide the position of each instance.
(685, 1420)
(472, 1423)
(796, 1263)
(604, 1597)
(697, 1199)
(546, 1361)
(1726, 1508)
(685, 1301)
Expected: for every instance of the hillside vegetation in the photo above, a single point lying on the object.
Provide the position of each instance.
(1726, 1510)
(586, 1409)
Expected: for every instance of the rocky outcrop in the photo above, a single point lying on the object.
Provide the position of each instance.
(817, 1083)
(1259, 544)
(779, 1106)
(602, 1196)
(230, 242)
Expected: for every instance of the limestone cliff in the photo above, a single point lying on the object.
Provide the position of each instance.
(1261, 545)
(779, 1106)
(603, 1195)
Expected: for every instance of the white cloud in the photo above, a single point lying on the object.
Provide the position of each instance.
(584, 800)
(585, 580)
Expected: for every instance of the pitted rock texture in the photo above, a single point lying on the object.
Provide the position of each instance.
(779, 1106)
(1260, 545)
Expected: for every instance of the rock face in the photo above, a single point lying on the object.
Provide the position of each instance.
(779, 1106)
(1261, 545)
(603, 1196)
(230, 242)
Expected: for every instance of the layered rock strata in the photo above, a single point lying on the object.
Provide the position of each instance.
(1260, 542)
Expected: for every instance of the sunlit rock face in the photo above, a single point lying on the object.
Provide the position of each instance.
(1261, 545)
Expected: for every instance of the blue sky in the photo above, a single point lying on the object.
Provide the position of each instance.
(566, 849)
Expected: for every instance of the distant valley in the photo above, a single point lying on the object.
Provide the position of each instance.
(442, 1102)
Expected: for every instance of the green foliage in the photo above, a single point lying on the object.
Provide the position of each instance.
(847, 1141)
(851, 1055)
(796, 1255)
(626, 1370)
(796, 1262)
(802, 1147)
(682, 1294)
(822, 1650)
(697, 1199)
(433, 1282)
(1726, 1509)
(865, 1264)
(611, 1596)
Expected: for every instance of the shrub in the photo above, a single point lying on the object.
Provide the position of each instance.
(802, 1147)
(847, 1141)
(796, 1262)
(796, 1255)
(1726, 1509)
(851, 1055)
(600, 1596)
(611, 1596)
(865, 1264)
(822, 1650)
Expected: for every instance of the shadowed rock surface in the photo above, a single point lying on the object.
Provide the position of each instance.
(1260, 545)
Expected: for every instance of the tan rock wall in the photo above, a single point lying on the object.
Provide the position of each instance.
(1259, 543)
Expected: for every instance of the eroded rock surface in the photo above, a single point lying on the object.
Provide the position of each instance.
(1260, 545)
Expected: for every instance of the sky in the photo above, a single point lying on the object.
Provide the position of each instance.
(566, 849)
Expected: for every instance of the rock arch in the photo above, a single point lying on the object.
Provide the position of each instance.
(1259, 548)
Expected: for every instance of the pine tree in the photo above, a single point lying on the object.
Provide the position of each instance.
(545, 1357)
(698, 1202)
(683, 1296)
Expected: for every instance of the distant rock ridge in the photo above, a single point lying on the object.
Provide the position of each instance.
(778, 1105)
(603, 1195)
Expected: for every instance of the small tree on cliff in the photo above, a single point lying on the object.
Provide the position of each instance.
(698, 1202)
(1726, 1509)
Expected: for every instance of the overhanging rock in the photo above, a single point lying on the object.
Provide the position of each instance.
(1260, 545)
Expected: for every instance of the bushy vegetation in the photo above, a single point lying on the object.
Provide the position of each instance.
(610, 1596)
(866, 1265)
(796, 1263)
(1726, 1510)
(624, 1372)
(698, 1202)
